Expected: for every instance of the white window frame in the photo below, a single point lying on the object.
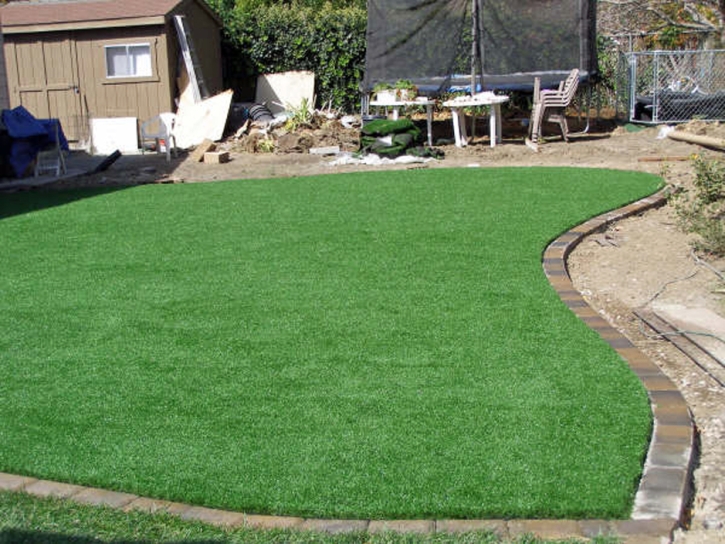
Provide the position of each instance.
(149, 72)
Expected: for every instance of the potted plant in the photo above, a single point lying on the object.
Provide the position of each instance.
(384, 92)
(407, 91)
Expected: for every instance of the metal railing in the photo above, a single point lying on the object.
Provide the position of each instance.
(671, 86)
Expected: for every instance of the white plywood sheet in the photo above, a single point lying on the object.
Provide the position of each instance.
(285, 90)
(112, 133)
(203, 120)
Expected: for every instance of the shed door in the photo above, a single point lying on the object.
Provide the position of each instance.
(46, 79)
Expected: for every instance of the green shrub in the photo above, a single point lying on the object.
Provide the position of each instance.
(324, 39)
(702, 210)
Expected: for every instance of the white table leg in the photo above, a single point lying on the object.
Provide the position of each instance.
(429, 111)
(395, 113)
(494, 126)
(462, 124)
(456, 126)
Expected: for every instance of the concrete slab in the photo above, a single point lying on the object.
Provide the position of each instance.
(696, 320)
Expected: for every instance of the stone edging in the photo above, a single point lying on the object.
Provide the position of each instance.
(660, 501)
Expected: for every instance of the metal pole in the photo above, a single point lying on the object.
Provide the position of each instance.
(474, 46)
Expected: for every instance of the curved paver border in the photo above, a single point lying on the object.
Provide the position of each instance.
(660, 501)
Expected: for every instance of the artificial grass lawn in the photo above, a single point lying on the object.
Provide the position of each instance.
(371, 345)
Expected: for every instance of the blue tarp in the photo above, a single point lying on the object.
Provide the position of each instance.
(29, 135)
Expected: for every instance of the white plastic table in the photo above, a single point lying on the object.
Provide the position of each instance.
(481, 99)
(420, 101)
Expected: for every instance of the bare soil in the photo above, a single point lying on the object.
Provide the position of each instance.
(634, 263)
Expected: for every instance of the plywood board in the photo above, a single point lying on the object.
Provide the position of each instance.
(285, 90)
(204, 120)
(111, 134)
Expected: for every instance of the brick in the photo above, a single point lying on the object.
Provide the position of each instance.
(668, 398)
(586, 312)
(418, 526)
(198, 154)
(643, 539)
(178, 508)
(47, 488)
(659, 382)
(102, 497)
(575, 304)
(497, 527)
(213, 516)
(12, 482)
(560, 282)
(656, 504)
(669, 455)
(546, 528)
(216, 157)
(637, 359)
(673, 434)
(619, 342)
(672, 414)
(591, 528)
(272, 522)
(150, 506)
(335, 526)
(641, 528)
(664, 479)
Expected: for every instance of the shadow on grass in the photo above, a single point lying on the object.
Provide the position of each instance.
(31, 201)
(16, 536)
(33, 198)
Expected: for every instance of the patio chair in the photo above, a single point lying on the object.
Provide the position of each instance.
(50, 158)
(160, 128)
(550, 105)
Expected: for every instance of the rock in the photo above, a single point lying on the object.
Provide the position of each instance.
(296, 143)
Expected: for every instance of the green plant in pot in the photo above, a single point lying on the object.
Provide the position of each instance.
(384, 92)
(406, 89)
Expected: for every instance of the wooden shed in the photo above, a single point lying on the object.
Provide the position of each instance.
(81, 59)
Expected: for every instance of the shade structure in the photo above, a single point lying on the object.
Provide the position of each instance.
(432, 42)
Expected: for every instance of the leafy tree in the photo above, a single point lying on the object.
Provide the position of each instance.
(668, 23)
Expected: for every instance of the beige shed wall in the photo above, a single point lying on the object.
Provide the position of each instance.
(4, 98)
(129, 97)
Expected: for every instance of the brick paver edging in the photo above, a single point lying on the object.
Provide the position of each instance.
(659, 503)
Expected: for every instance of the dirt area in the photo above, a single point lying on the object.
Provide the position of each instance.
(638, 262)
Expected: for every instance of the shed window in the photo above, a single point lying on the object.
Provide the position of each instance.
(128, 60)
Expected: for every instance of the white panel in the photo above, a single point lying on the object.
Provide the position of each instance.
(286, 90)
(203, 120)
(111, 134)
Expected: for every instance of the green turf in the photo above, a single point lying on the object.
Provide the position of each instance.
(368, 346)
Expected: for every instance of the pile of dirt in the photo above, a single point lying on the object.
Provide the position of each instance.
(318, 130)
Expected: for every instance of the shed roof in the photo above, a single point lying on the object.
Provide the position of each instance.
(76, 14)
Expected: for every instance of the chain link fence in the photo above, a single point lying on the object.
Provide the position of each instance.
(671, 86)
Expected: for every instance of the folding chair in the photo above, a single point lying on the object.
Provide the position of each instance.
(550, 105)
(50, 158)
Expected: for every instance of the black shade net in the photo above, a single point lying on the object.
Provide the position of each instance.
(430, 42)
